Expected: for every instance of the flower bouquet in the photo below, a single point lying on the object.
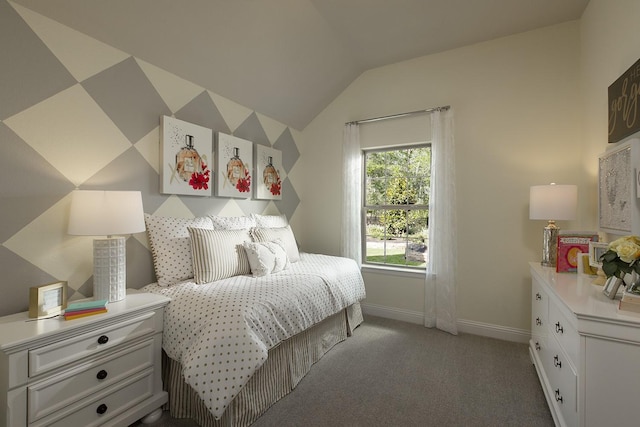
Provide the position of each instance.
(621, 259)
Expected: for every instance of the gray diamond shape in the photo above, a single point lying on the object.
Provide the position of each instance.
(25, 197)
(29, 72)
(290, 153)
(202, 111)
(128, 98)
(251, 130)
(290, 199)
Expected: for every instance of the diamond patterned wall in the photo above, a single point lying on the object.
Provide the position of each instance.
(76, 113)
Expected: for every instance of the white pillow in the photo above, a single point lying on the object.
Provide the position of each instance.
(170, 246)
(285, 234)
(232, 222)
(266, 257)
(218, 254)
(270, 221)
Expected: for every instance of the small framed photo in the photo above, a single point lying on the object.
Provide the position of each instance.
(596, 250)
(611, 287)
(47, 300)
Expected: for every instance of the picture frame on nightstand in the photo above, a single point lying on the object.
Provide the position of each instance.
(47, 300)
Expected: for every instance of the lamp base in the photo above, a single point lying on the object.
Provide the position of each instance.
(550, 245)
(109, 269)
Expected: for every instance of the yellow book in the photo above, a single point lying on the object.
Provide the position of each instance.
(71, 316)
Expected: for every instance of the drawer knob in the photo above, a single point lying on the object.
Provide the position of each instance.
(103, 339)
(102, 374)
(103, 408)
(537, 346)
(538, 296)
(557, 362)
(559, 328)
(558, 396)
(538, 321)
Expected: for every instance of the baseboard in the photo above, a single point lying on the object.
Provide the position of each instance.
(464, 326)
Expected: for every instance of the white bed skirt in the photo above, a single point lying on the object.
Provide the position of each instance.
(286, 365)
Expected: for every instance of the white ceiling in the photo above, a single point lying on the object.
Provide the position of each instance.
(288, 59)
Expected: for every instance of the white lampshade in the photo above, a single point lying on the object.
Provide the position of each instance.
(555, 202)
(106, 213)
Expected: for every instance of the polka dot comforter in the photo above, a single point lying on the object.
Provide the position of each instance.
(221, 332)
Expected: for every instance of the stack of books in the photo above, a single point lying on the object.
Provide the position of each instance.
(85, 308)
(630, 302)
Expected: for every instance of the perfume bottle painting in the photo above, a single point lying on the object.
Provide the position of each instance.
(235, 168)
(271, 178)
(188, 161)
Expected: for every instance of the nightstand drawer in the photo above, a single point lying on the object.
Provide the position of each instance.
(100, 408)
(59, 391)
(52, 356)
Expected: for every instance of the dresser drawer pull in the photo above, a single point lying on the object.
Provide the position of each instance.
(559, 328)
(558, 396)
(557, 362)
(103, 339)
(537, 346)
(538, 321)
(102, 374)
(103, 408)
(538, 296)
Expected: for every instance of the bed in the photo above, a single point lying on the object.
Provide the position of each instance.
(249, 314)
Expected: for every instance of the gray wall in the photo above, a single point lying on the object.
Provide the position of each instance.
(76, 113)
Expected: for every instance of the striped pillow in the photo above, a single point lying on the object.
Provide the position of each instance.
(285, 234)
(218, 254)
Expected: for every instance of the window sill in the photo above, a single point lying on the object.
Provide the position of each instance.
(393, 271)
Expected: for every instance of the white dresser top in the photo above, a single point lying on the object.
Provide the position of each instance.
(583, 298)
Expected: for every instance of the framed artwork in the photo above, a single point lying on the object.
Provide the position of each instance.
(268, 171)
(47, 300)
(185, 151)
(615, 184)
(233, 166)
(596, 250)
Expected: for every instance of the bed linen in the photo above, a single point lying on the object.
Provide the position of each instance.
(221, 332)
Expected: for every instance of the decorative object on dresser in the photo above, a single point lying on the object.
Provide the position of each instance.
(577, 335)
(97, 370)
(570, 245)
(47, 300)
(552, 203)
(621, 266)
(107, 213)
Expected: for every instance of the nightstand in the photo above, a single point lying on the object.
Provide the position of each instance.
(97, 370)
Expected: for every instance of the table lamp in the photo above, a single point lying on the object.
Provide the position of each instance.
(552, 203)
(107, 213)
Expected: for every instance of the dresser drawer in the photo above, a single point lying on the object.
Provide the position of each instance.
(50, 395)
(100, 408)
(563, 380)
(539, 312)
(52, 356)
(565, 333)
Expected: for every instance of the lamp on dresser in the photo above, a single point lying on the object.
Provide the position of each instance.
(110, 214)
(552, 203)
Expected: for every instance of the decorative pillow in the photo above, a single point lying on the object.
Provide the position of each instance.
(285, 234)
(270, 221)
(170, 247)
(232, 222)
(266, 257)
(218, 254)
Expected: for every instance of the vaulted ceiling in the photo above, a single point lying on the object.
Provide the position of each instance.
(288, 59)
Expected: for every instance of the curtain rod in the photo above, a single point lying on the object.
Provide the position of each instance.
(395, 116)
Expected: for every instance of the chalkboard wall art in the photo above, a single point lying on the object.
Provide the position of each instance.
(624, 95)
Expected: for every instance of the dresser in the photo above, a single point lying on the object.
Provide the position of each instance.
(586, 352)
(93, 371)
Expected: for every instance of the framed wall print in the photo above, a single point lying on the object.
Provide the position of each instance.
(233, 166)
(185, 151)
(268, 173)
(618, 205)
(47, 300)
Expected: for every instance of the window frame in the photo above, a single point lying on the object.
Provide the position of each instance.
(408, 269)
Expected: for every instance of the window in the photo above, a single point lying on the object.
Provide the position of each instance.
(396, 206)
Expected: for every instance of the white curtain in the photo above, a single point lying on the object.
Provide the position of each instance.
(351, 244)
(440, 283)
